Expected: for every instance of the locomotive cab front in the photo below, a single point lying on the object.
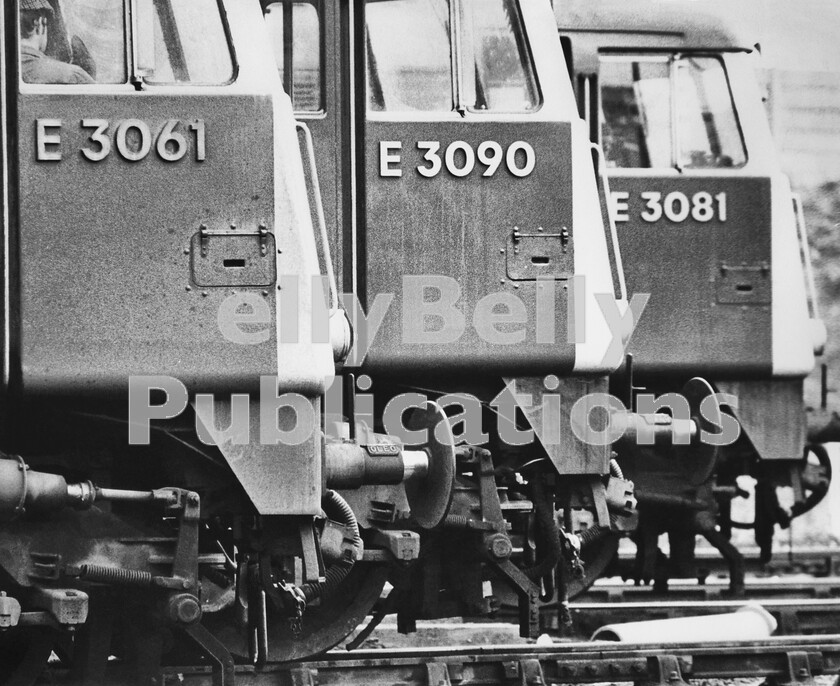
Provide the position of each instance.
(707, 227)
(154, 196)
(478, 269)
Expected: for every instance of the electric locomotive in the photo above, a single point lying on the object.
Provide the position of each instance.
(190, 254)
(708, 227)
(300, 298)
(507, 276)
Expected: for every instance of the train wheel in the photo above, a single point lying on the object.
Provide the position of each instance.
(816, 478)
(321, 628)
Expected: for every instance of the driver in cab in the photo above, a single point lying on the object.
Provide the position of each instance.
(35, 65)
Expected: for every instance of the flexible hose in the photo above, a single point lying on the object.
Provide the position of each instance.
(337, 509)
(595, 533)
(615, 469)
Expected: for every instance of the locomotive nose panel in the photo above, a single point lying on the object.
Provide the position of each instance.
(699, 247)
(115, 276)
(469, 227)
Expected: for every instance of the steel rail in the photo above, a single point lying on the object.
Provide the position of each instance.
(800, 606)
(784, 661)
(819, 559)
(714, 589)
(793, 616)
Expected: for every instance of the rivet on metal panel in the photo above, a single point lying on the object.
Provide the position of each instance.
(189, 288)
(204, 294)
(186, 251)
(233, 226)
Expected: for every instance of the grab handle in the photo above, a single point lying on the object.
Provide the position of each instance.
(319, 213)
(619, 264)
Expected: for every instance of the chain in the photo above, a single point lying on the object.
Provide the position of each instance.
(296, 602)
(571, 546)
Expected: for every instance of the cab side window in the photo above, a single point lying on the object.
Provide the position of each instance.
(295, 31)
(708, 128)
(84, 42)
(408, 56)
(72, 41)
(186, 43)
(498, 73)
(416, 61)
(668, 111)
(636, 113)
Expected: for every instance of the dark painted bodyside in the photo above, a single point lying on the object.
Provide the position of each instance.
(709, 282)
(462, 228)
(107, 286)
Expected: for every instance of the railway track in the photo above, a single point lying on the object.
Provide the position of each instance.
(806, 645)
(755, 588)
(816, 560)
(799, 605)
(793, 616)
(781, 661)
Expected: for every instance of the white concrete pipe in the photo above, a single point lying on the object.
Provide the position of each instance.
(750, 622)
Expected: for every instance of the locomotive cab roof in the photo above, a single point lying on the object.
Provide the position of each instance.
(651, 24)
